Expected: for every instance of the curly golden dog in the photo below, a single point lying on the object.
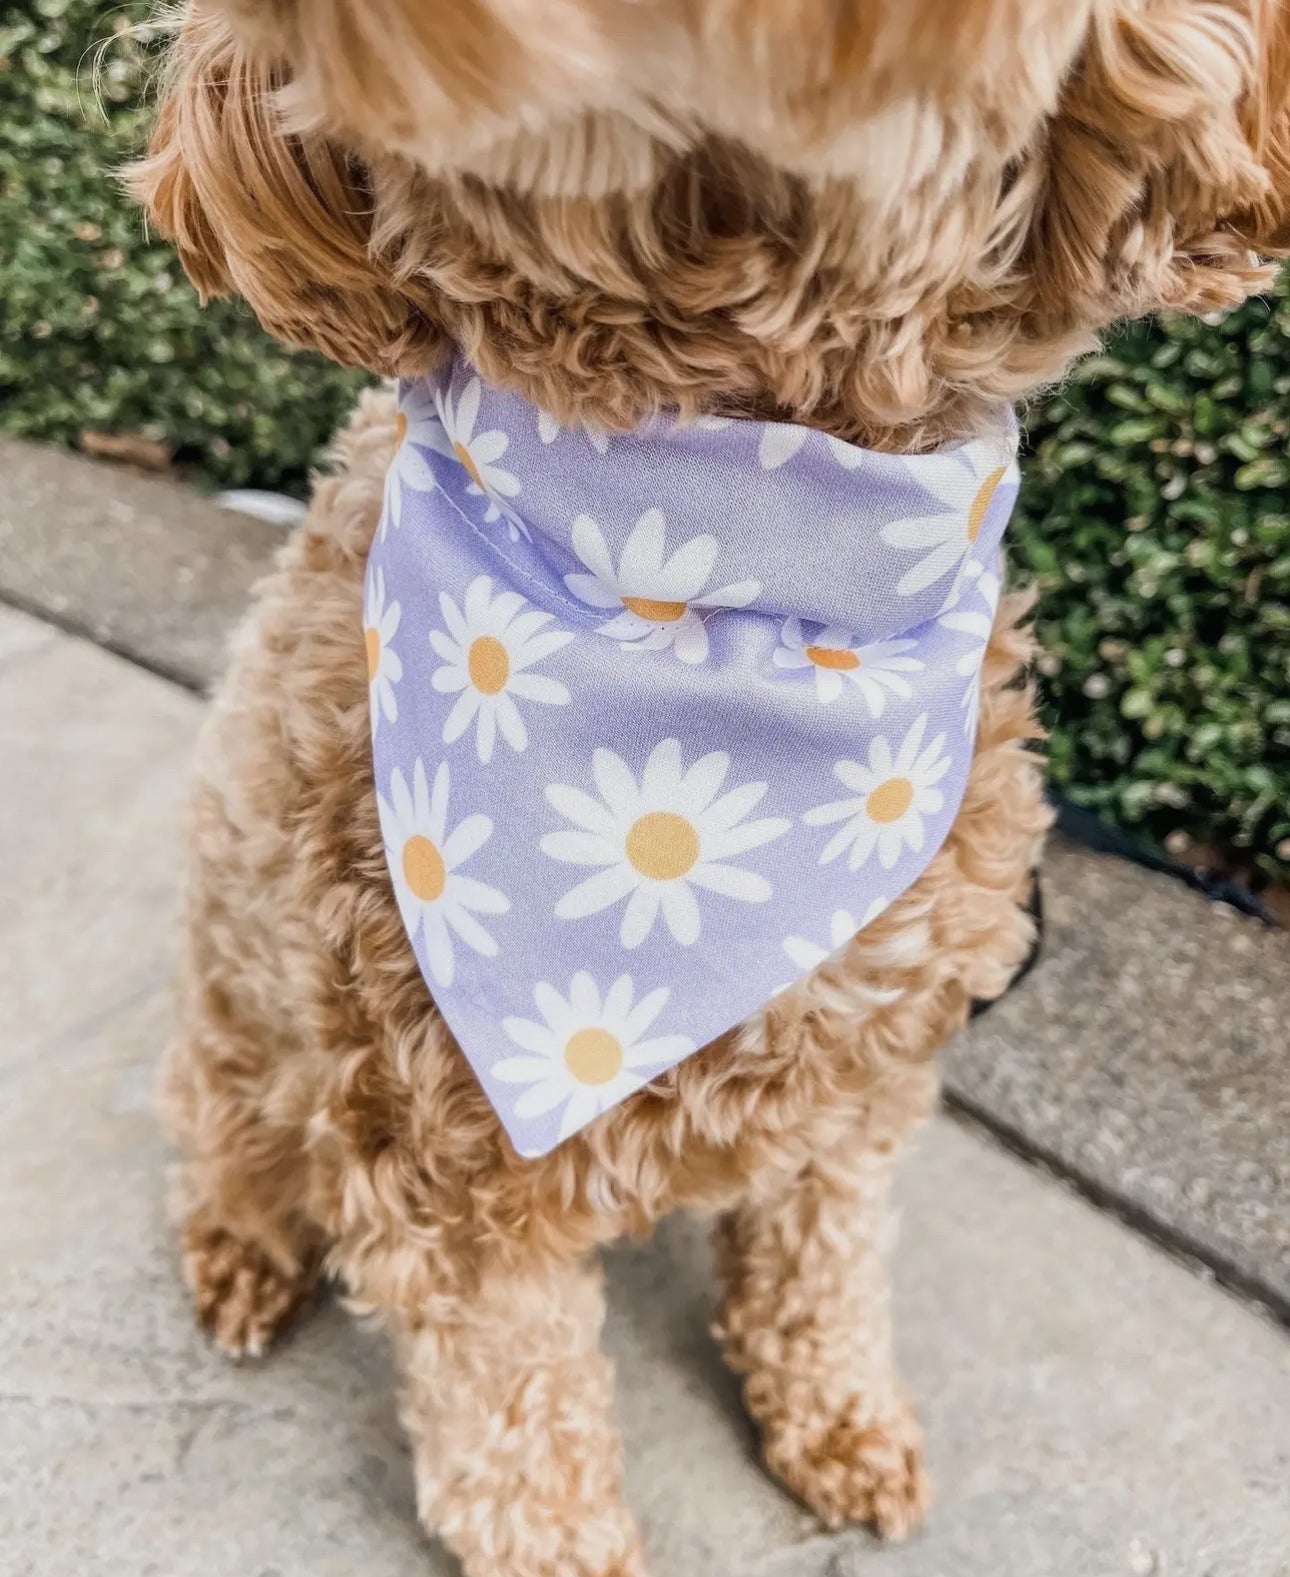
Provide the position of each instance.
(877, 217)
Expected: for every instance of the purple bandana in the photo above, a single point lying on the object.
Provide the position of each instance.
(659, 720)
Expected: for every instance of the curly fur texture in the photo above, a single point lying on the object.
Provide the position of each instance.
(875, 218)
(880, 219)
(320, 1101)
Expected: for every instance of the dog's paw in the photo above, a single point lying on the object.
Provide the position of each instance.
(241, 1299)
(852, 1466)
(592, 1543)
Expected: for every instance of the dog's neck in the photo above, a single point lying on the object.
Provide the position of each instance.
(963, 416)
(730, 288)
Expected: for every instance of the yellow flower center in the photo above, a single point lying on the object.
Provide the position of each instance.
(593, 1056)
(653, 610)
(488, 664)
(890, 800)
(981, 503)
(372, 641)
(468, 460)
(662, 845)
(833, 657)
(423, 869)
(400, 431)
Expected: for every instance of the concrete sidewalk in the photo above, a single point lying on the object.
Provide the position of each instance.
(1093, 1407)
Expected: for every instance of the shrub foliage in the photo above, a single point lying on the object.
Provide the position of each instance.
(1154, 513)
(1156, 518)
(98, 327)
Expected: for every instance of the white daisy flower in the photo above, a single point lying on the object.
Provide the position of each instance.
(659, 839)
(489, 646)
(416, 427)
(549, 430)
(384, 665)
(478, 454)
(780, 441)
(837, 659)
(891, 798)
(657, 598)
(588, 1052)
(426, 859)
(843, 928)
(977, 626)
(965, 480)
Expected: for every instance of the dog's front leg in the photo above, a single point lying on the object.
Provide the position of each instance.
(806, 1320)
(507, 1399)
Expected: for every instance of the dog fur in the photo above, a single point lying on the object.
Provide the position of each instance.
(877, 218)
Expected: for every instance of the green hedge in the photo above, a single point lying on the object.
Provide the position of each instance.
(1156, 518)
(1154, 509)
(98, 328)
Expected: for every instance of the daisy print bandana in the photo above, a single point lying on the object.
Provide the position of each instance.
(659, 720)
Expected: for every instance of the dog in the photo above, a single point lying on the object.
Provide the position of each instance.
(877, 220)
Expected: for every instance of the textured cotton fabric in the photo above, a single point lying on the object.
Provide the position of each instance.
(659, 720)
